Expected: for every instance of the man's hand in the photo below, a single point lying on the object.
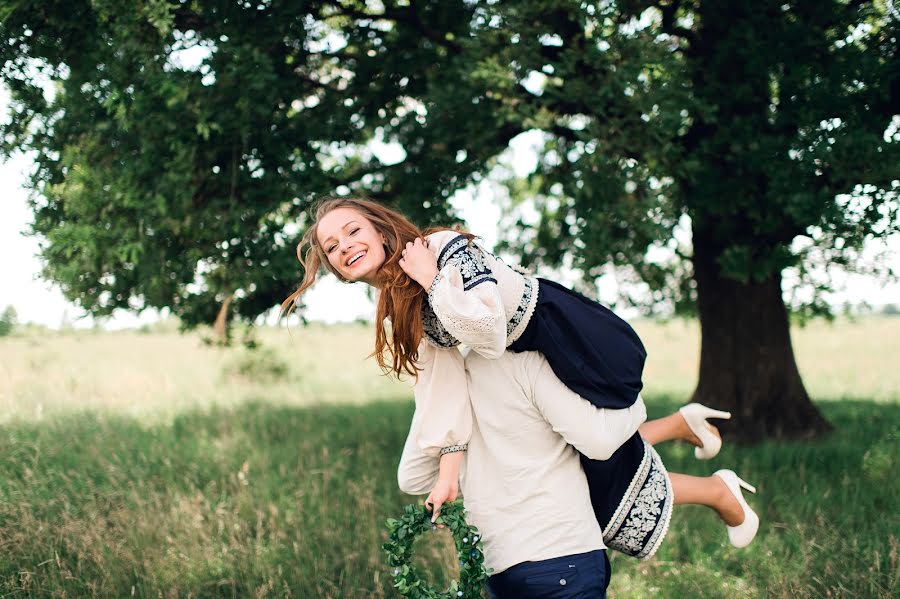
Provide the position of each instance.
(419, 263)
(443, 491)
(447, 487)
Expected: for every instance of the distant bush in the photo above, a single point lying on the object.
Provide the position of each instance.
(890, 310)
(170, 324)
(261, 365)
(8, 321)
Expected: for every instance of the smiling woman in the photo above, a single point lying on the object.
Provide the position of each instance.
(355, 249)
(342, 229)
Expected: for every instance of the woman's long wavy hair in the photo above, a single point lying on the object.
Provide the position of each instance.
(400, 299)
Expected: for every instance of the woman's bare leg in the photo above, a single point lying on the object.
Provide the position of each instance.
(670, 428)
(710, 491)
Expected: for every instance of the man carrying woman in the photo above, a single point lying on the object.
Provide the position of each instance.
(524, 485)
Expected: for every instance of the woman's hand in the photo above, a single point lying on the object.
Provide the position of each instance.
(419, 263)
(443, 491)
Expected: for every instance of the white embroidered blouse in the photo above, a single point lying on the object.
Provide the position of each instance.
(475, 300)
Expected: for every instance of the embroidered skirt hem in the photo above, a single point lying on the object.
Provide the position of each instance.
(641, 521)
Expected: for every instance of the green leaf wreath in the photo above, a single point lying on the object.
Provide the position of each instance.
(415, 520)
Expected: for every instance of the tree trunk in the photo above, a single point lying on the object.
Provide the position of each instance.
(220, 326)
(747, 363)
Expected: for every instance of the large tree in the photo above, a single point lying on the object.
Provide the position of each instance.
(180, 143)
(769, 125)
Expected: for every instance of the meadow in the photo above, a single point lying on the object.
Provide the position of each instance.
(147, 464)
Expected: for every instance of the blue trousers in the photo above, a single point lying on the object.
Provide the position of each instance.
(580, 576)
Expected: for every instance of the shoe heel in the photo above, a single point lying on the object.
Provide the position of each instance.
(718, 414)
(696, 415)
(742, 534)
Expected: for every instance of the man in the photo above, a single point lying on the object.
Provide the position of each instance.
(522, 479)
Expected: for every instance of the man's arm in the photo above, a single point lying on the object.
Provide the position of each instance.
(595, 432)
(418, 471)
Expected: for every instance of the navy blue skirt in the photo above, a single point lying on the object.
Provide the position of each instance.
(632, 497)
(591, 350)
(608, 480)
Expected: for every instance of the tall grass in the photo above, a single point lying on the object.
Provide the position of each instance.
(158, 375)
(843, 358)
(148, 465)
(288, 501)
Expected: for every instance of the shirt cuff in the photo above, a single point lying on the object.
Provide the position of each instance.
(432, 287)
(454, 448)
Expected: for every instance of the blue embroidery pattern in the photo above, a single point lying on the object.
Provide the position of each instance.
(468, 260)
(641, 521)
(435, 333)
(521, 311)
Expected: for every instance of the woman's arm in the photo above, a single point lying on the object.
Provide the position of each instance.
(462, 291)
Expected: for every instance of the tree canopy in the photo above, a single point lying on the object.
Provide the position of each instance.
(167, 183)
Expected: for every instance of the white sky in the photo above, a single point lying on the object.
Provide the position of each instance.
(36, 300)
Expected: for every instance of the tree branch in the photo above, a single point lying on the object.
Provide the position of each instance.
(409, 16)
(328, 86)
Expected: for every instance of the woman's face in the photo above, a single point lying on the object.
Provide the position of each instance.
(354, 248)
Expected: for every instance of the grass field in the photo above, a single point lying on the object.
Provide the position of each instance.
(149, 465)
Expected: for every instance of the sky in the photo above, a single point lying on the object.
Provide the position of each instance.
(39, 301)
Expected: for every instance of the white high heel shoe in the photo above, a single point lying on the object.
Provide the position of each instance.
(743, 533)
(695, 415)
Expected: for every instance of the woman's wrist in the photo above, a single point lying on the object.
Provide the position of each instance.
(428, 281)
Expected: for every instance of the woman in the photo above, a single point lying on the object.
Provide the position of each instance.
(477, 299)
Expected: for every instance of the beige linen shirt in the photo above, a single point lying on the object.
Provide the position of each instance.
(522, 480)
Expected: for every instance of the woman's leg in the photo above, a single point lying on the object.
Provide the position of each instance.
(710, 491)
(722, 492)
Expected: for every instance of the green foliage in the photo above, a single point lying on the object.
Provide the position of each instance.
(415, 520)
(8, 321)
(166, 183)
(774, 128)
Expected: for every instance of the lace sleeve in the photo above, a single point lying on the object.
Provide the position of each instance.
(465, 298)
